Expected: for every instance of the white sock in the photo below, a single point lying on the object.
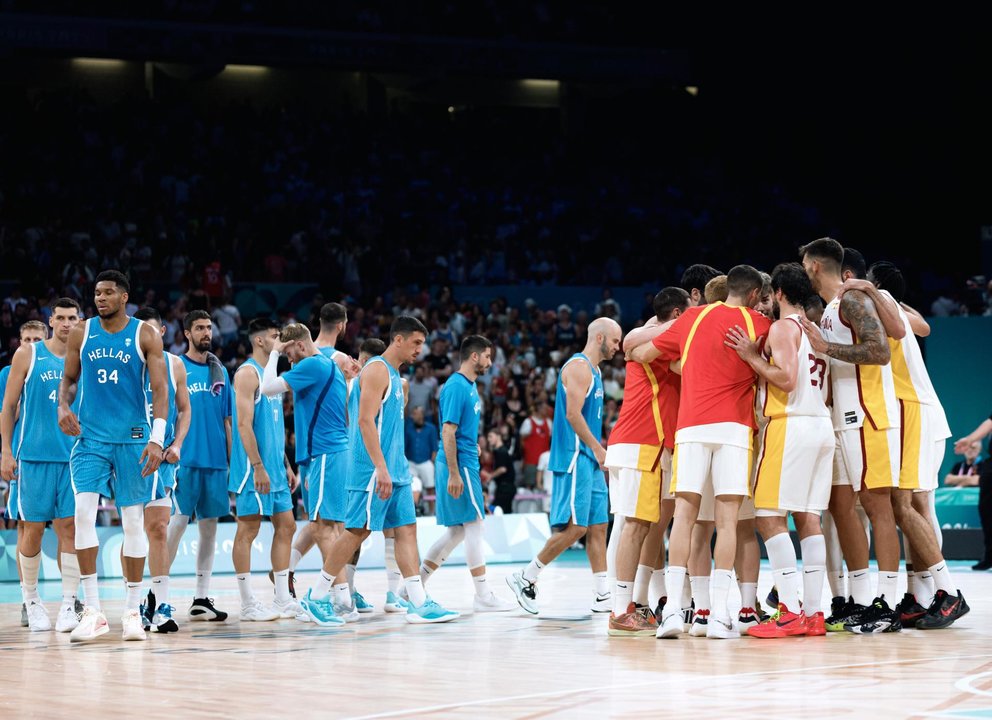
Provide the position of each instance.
(888, 586)
(686, 594)
(719, 591)
(323, 587)
(642, 582)
(481, 585)
(656, 590)
(925, 588)
(911, 581)
(782, 558)
(203, 583)
(674, 585)
(425, 572)
(282, 585)
(394, 578)
(244, 587)
(415, 590)
(700, 591)
(349, 571)
(837, 579)
(942, 578)
(533, 570)
(294, 559)
(206, 544)
(30, 568)
(601, 584)
(814, 549)
(749, 595)
(623, 596)
(860, 583)
(70, 577)
(342, 594)
(133, 599)
(160, 588)
(91, 590)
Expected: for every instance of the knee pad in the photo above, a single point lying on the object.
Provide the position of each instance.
(475, 556)
(86, 509)
(133, 523)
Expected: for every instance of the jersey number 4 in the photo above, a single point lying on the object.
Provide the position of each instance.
(102, 376)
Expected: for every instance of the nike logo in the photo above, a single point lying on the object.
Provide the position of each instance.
(788, 574)
(93, 336)
(808, 572)
(946, 612)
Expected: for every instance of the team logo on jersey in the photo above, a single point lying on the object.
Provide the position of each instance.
(599, 394)
(127, 342)
(398, 394)
(478, 406)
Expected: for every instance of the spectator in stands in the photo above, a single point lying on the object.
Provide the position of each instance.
(421, 440)
(423, 391)
(503, 473)
(965, 473)
(566, 334)
(227, 318)
(535, 437)
(438, 361)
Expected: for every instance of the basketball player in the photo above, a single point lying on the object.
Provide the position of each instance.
(795, 455)
(579, 495)
(713, 440)
(461, 499)
(924, 430)
(106, 362)
(30, 332)
(201, 487)
(867, 454)
(320, 397)
(333, 320)
(379, 494)
(639, 464)
(261, 478)
(156, 610)
(39, 461)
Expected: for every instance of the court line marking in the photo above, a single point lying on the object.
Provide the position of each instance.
(654, 681)
(965, 684)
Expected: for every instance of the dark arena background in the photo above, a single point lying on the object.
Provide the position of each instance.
(511, 170)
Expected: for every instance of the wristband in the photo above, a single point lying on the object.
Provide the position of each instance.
(158, 432)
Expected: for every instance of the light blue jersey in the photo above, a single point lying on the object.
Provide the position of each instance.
(36, 433)
(328, 351)
(4, 374)
(566, 446)
(320, 398)
(459, 404)
(389, 421)
(206, 443)
(111, 392)
(269, 428)
(170, 383)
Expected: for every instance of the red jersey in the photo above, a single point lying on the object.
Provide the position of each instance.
(640, 421)
(538, 441)
(717, 386)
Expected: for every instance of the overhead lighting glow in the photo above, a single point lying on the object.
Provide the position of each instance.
(246, 69)
(692, 90)
(98, 63)
(540, 84)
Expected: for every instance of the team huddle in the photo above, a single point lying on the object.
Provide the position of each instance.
(732, 420)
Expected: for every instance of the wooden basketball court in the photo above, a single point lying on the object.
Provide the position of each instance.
(511, 665)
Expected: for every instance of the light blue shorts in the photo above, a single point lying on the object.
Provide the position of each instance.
(113, 470)
(580, 496)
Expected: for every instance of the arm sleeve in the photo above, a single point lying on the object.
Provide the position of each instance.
(272, 385)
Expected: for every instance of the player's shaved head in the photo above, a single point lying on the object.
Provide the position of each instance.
(603, 325)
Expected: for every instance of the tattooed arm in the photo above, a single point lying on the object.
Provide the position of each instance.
(859, 312)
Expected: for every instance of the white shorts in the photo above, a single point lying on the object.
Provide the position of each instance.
(794, 465)
(635, 493)
(666, 475)
(424, 471)
(707, 508)
(866, 458)
(726, 469)
(923, 445)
